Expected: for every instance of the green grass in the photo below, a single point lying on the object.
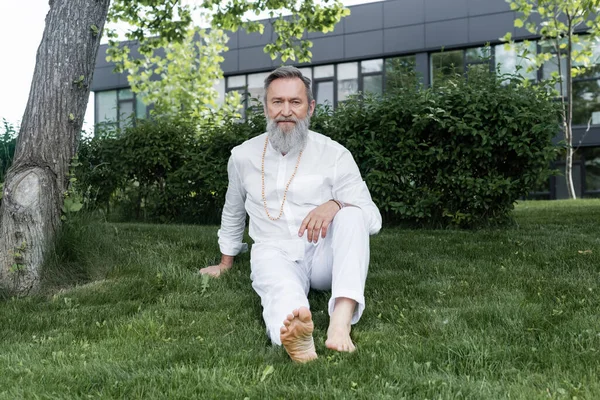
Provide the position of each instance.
(489, 314)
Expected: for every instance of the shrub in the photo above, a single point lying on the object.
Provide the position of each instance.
(8, 141)
(460, 154)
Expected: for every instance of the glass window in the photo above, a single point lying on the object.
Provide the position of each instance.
(323, 71)
(593, 69)
(446, 65)
(236, 81)
(371, 66)
(324, 92)
(125, 94)
(125, 114)
(517, 60)
(219, 86)
(591, 156)
(478, 54)
(307, 72)
(347, 80)
(586, 102)
(140, 108)
(550, 67)
(106, 103)
(373, 84)
(400, 72)
(256, 83)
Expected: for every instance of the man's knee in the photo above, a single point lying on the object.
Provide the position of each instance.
(350, 218)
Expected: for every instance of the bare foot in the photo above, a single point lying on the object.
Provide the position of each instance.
(338, 337)
(296, 335)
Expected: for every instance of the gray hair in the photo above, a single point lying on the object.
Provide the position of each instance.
(288, 72)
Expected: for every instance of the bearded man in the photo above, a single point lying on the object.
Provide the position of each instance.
(310, 219)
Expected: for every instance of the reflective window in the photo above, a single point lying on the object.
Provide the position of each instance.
(347, 80)
(478, 54)
(125, 114)
(591, 155)
(371, 66)
(446, 65)
(219, 86)
(307, 72)
(256, 83)
(323, 71)
(586, 102)
(236, 81)
(400, 72)
(106, 106)
(373, 84)
(324, 92)
(511, 60)
(141, 111)
(125, 94)
(550, 69)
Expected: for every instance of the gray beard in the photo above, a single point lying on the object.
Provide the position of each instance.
(294, 139)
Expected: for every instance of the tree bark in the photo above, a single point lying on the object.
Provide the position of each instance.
(35, 184)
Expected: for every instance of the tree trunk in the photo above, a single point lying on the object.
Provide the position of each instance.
(36, 182)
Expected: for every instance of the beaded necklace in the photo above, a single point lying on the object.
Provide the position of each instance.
(264, 198)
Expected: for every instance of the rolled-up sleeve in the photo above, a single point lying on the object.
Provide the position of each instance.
(233, 219)
(349, 187)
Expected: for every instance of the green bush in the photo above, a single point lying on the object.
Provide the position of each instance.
(8, 141)
(456, 155)
(459, 154)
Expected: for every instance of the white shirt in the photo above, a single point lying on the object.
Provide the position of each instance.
(326, 171)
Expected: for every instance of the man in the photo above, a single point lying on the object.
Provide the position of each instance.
(310, 218)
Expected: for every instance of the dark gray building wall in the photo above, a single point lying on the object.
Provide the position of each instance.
(380, 29)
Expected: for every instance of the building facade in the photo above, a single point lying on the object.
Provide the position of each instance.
(432, 37)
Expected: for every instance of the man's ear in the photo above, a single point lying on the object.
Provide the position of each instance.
(311, 108)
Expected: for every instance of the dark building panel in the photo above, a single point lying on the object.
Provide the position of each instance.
(104, 79)
(438, 10)
(403, 12)
(230, 64)
(327, 49)
(404, 39)
(364, 44)
(490, 27)
(364, 18)
(233, 40)
(101, 57)
(447, 33)
(255, 39)
(480, 7)
(253, 59)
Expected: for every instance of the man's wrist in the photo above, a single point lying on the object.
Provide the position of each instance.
(339, 203)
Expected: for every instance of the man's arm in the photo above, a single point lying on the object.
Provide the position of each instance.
(350, 188)
(233, 222)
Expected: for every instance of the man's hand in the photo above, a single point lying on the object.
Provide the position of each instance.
(318, 220)
(216, 270)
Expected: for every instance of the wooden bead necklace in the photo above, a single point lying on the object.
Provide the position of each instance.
(264, 198)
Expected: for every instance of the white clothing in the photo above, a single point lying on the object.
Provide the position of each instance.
(326, 171)
(285, 266)
(339, 262)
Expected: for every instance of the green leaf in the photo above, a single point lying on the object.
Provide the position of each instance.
(266, 372)
(518, 23)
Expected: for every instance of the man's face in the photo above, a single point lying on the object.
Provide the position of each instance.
(287, 103)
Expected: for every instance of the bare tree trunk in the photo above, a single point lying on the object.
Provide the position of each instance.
(569, 120)
(36, 182)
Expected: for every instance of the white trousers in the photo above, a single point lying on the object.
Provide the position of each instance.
(284, 271)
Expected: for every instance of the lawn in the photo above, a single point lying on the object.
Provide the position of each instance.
(489, 314)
